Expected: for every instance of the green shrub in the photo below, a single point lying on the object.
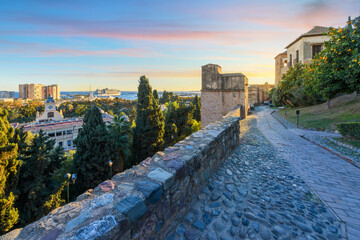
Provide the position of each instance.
(349, 129)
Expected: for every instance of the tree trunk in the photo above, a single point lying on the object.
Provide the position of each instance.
(328, 104)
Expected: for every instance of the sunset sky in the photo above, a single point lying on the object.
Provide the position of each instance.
(112, 43)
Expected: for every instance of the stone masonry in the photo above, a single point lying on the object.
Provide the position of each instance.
(254, 96)
(220, 93)
(146, 201)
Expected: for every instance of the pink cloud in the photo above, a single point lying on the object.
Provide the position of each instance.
(75, 52)
(36, 50)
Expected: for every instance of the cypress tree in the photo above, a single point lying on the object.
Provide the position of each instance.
(171, 130)
(93, 151)
(149, 130)
(156, 95)
(9, 166)
(196, 104)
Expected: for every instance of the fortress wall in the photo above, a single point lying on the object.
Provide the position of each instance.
(146, 201)
(216, 104)
(220, 93)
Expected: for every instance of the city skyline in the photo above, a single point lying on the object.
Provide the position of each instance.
(111, 45)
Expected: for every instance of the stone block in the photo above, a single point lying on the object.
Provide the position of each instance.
(77, 221)
(166, 178)
(96, 229)
(179, 167)
(106, 186)
(151, 190)
(132, 207)
(52, 234)
(102, 200)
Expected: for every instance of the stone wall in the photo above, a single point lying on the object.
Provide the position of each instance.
(145, 201)
(280, 61)
(254, 96)
(220, 93)
(263, 89)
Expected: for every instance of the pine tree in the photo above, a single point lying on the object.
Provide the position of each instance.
(149, 130)
(9, 215)
(196, 104)
(55, 200)
(9, 166)
(94, 151)
(22, 139)
(35, 178)
(179, 122)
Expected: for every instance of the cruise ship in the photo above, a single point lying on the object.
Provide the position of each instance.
(106, 92)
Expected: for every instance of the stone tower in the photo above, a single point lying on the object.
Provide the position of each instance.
(221, 93)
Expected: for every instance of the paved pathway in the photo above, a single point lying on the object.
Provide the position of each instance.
(257, 194)
(333, 179)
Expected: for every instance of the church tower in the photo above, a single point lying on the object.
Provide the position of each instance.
(50, 114)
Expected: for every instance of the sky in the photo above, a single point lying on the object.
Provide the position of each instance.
(83, 43)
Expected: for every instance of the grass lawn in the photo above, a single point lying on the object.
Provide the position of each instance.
(343, 109)
(352, 142)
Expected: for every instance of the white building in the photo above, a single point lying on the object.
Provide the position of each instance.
(50, 114)
(63, 131)
(303, 49)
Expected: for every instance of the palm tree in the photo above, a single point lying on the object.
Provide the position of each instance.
(121, 137)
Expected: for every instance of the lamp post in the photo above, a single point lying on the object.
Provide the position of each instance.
(297, 119)
(69, 177)
(110, 163)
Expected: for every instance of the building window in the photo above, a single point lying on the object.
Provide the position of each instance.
(316, 49)
(68, 131)
(290, 62)
(58, 133)
(69, 143)
(51, 134)
(297, 56)
(60, 144)
(50, 114)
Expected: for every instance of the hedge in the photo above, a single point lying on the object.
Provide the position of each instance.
(349, 129)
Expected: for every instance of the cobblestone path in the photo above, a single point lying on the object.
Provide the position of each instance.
(256, 194)
(333, 179)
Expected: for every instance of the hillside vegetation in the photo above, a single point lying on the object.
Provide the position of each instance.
(343, 109)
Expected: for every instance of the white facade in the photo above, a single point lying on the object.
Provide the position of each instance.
(304, 49)
(50, 114)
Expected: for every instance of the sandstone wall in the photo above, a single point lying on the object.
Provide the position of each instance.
(254, 95)
(220, 93)
(145, 201)
(279, 66)
(216, 104)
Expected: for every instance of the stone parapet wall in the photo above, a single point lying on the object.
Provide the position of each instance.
(145, 201)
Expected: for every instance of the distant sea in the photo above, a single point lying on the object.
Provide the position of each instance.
(129, 95)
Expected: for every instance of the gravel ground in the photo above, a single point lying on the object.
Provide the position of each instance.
(256, 194)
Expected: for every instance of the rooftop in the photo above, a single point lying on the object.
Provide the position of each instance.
(315, 31)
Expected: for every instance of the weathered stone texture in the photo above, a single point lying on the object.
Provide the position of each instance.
(254, 96)
(146, 201)
(221, 93)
